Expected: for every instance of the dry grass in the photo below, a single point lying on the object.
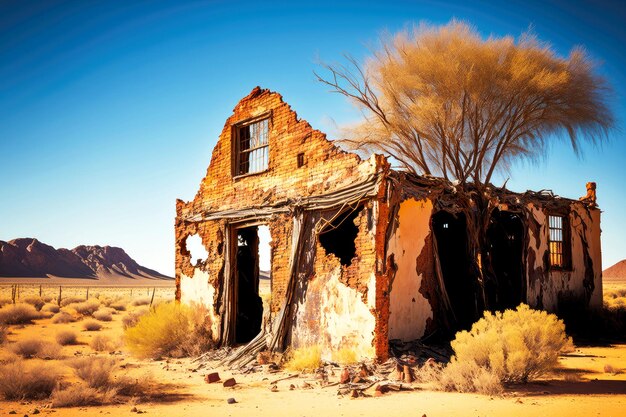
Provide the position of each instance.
(344, 356)
(71, 300)
(66, 337)
(36, 348)
(50, 308)
(92, 326)
(306, 359)
(35, 301)
(103, 314)
(4, 331)
(132, 317)
(169, 329)
(5, 301)
(63, 317)
(18, 314)
(81, 395)
(610, 369)
(86, 308)
(144, 301)
(102, 343)
(95, 371)
(510, 347)
(26, 381)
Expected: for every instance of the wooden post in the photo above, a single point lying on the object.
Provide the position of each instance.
(152, 299)
(87, 296)
(39, 291)
(59, 299)
(13, 290)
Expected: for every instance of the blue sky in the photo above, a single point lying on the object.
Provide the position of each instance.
(109, 110)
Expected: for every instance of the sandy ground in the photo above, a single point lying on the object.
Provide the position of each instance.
(580, 388)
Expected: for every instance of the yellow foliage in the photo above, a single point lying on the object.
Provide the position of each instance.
(306, 359)
(344, 356)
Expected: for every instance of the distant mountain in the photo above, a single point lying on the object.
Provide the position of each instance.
(27, 257)
(615, 273)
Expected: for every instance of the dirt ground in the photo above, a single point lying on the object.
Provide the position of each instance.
(582, 387)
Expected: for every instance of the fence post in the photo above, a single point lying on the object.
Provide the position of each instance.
(87, 296)
(59, 299)
(40, 291)
(13, 289)
(152, 299)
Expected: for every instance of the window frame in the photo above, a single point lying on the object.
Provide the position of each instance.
(236, 144)
(566, 241)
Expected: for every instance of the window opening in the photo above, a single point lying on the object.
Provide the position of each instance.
(197, 251)
(557, 239)
(300, 160)
(338, 236)
(252, 147)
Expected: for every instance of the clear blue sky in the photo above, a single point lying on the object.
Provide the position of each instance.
(109, 110)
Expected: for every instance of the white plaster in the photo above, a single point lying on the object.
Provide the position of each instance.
(345, 319)
(409, 310)
(196, 290)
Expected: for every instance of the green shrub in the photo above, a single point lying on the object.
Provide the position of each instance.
(18, 314)
(511, 347)
(24, 381)
(169, 329)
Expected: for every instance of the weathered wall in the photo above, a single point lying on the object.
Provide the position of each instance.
(582, 283)
(336, 303)
(409, 309)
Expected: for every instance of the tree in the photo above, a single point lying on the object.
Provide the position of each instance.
(443, 101)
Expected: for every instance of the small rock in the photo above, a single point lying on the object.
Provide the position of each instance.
(133, 410)
(212, 377)
(354, 394)
(230, 382)
(231, 401)
(12, 412)
(345, 376)
(36, 411)
(274, 388)
(292, 387)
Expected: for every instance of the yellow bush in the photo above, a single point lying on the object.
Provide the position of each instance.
(511, 347)
(306, 359)
(160, 332)
(344, 356)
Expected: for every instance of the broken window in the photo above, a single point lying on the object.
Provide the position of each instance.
(559, 249)
(338, 235)
(252, 152)
(197, 251)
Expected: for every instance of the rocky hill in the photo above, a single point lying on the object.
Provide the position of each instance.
(28, 257)
(616, 272)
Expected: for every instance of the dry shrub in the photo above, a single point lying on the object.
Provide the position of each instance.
(103, 314)
(36, 348)
(92, 326)
(610, 369)
(86, 308)
(511, 347)
(50, 308)
(63, 317)
(34, 301)
(48, 298)
(102, 343)
(5, 301)
(80, 395)
(96, 371)
(66, 337)
(118, 306)
(4, 331)
(18, 314)
(26, 381)
(344, 356)
(140, 301)
(306, 359)
(132, 317)
(169, 329)
(71, 300)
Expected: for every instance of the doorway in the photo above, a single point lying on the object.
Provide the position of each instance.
(252, 279)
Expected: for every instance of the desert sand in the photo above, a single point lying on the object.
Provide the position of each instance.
(580, 388)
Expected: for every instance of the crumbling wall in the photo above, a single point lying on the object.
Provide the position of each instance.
(336, 303)
(409, 309)
(581, 282)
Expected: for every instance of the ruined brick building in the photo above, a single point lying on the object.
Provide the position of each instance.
(360, 254)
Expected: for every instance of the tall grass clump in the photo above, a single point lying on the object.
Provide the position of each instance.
(92, 326)
(36, 348)
(95, 371)
(502, 348)
(132, 317)
(50, 308)
(101, 343)
(63, 317)
(25, 381)
(71, 300)
(306, 359)
(86, 308)
(20, 313)
(103, 314)
(34, 301)
(144, 301)
(4, 331)
(169, 329)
